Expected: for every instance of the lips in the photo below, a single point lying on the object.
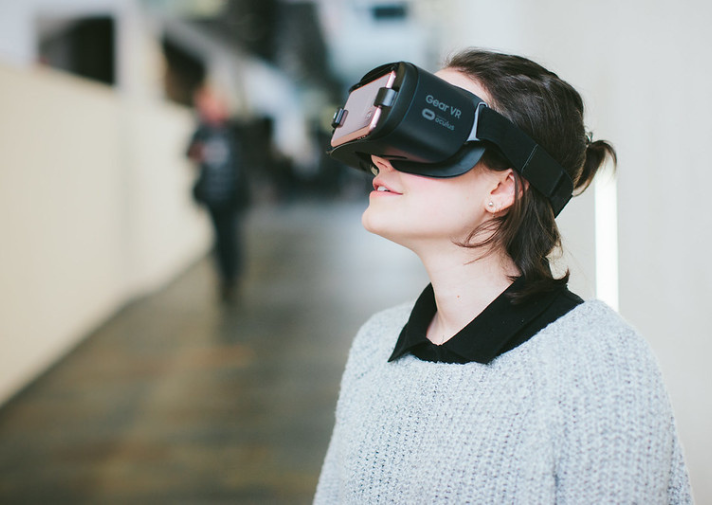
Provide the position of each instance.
(381, 187)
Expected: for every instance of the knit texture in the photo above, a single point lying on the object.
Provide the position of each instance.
(578, 414)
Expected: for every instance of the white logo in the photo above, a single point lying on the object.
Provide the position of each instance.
(444, 123)
(431, 116)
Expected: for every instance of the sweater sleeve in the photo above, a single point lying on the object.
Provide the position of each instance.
(369, 348)
(617, 441)
(328, 487)
(327, 490)
(679, 490)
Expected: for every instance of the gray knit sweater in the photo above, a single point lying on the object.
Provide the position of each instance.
(578, 414)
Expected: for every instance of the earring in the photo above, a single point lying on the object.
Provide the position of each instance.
(492, 208)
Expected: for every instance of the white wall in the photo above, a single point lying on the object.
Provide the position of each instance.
(94, 186)
(94, 210)
(662, 95)
(645, 71)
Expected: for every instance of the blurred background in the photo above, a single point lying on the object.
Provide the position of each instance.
(124, 379)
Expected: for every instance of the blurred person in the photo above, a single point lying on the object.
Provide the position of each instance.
(221, 185)
(498, 385)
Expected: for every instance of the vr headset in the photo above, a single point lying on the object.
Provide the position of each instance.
(426, 126)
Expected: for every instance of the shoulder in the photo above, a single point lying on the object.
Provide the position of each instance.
(378, 335)
(200, 131)
(386, 319)
(589, 352)
(608, 402)
(598, 358)
(596, 333)
(383, 327)
(591, 358)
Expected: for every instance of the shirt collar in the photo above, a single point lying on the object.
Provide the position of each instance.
(487, 336)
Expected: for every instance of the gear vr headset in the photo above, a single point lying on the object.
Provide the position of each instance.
(426, 126)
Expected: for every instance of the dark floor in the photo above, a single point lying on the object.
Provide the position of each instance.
(181, 400)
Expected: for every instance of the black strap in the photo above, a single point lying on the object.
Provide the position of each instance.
(527, 157)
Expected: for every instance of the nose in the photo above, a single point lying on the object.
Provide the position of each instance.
(381, 164)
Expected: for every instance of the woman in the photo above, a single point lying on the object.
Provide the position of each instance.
(498, 385)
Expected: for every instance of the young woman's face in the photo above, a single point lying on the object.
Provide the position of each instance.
(413, 210)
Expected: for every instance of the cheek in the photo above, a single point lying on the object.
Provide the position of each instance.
(447, 209)
(451, 202)
(456, 214)
(431, 208)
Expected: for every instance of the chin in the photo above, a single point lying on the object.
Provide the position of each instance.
(376, 223)
(368, 220)
(385, 228)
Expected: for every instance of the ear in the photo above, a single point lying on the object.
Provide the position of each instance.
(507, 185)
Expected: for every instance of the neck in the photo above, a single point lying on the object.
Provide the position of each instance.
(463, 287)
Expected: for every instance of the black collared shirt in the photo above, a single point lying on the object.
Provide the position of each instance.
(501, 327)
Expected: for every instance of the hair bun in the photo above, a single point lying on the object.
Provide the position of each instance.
(596, 153)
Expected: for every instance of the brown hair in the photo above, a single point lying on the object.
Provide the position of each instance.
(551, 112)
